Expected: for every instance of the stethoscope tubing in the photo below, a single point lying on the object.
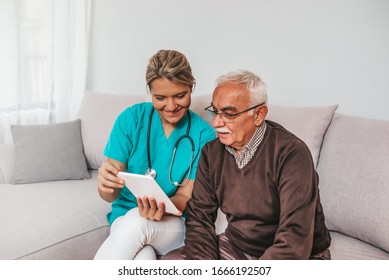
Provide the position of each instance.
(150, 171)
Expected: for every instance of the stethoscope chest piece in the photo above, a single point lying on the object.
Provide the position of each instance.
(151, 172)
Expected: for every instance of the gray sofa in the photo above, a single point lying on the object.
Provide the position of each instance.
(65, 219)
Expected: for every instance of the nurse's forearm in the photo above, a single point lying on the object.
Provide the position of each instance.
(180, 201)
(183, 194)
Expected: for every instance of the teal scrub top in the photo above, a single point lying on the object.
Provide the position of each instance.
(127, 143)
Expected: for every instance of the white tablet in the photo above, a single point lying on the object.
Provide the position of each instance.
(142, 185)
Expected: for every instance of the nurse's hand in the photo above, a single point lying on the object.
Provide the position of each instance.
(109, 185)
(149, 209)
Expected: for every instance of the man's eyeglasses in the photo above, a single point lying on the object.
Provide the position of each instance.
(227, 117)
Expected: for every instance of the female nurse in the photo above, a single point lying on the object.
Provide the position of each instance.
(146, 134)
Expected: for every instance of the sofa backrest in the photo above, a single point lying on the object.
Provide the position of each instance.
(98, 112)
(308, 123)
(354, 178)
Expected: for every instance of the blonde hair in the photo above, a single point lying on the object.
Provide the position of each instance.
(171, 65)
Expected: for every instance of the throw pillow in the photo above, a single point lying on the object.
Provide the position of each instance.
(48, 152)
(307, 123)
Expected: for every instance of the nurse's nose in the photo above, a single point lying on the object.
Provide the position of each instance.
(171, 104)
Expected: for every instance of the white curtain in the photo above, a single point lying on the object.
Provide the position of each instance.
(43, 61)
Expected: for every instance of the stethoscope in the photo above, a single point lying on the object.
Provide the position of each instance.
(151, 172)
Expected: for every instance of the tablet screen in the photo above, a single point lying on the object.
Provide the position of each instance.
(142, 185)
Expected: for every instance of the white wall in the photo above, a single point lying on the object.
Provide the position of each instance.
(308, 52)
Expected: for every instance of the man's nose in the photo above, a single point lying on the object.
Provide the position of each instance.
(217, 121)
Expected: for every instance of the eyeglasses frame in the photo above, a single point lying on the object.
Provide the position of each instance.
(231, 115)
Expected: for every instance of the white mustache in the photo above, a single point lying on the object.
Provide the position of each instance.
(223, 130)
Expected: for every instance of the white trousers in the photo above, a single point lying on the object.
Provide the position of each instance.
(130, 234)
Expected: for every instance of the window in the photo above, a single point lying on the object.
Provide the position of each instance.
(41, 39)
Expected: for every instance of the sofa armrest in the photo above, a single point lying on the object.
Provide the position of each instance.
(6, 163)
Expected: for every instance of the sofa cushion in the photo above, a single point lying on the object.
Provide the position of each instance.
(354, 178)
(344, 247)
(308, 123)
(52, 220)
(48, 152)
(98, 113)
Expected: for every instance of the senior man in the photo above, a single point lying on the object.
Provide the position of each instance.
(261, 176)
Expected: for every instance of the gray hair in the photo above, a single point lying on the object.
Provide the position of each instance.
(253, 83)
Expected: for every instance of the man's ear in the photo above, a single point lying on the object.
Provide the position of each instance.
(260, 115)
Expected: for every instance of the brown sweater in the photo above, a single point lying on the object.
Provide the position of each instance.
(272, 205)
